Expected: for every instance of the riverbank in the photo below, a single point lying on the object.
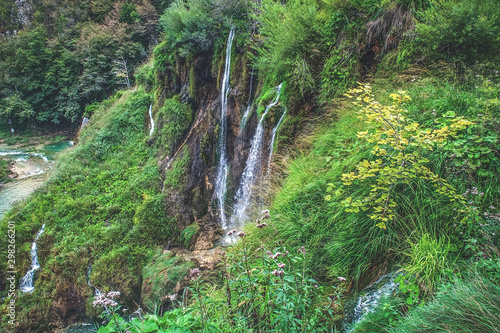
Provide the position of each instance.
(24, 168)
(34, 140)
(5, 171)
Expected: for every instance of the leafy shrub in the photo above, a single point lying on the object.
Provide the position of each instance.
(145, 77)
(290, 30)
(172, 120)
(404, 141)
(461, 30)
(194, 25)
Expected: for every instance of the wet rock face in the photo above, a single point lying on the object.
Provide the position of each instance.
(68, 307)
(200, 83)
(208, 233)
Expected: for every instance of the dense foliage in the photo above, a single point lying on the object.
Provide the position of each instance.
(106, 210)
(418, 153)
(71, 57)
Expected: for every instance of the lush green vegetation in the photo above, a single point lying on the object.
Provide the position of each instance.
(404, 179)
(103, 207)
(71, 55)
(4, 170)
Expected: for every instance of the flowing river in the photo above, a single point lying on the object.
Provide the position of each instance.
(32, 166)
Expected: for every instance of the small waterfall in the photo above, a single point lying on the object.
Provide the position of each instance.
(271, 145)
(221, 181)
(151, 121)
(252, 168)
(26, 284)
(370, 299)
(89, 271)
(249, 107)
(85, 120)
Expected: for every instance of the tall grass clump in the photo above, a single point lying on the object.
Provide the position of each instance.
(428, 260)
(466, 305)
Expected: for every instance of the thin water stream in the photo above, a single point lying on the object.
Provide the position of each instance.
(369, 300)
(223, 169)
(252, 170)
(32, 166)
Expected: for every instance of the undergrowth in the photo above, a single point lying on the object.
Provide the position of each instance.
(103, 207)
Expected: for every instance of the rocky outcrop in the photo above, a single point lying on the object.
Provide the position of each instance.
(198, 83)
(22, 13)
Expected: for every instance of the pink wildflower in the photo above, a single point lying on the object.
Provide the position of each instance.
(342, 279)
(194, 273)
(278, 272)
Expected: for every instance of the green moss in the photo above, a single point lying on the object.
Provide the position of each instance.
(172, 120)
(192, 81)
(175, 175)
(188, 234)
(161, 276)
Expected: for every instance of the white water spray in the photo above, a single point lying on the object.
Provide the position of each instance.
(85, 120)
(26, 284)
(223, 169)
(151, 121)
(252, 168)
(370, 299)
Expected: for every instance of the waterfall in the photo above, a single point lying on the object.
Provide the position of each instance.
(370, 300)
(252, 168)
(221, 181)
(249, 104)
(152, 122)
(26, 284)
(89, 271)
(85, 120)
(271, 145)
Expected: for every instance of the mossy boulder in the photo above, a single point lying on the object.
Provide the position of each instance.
(188, 235)
(163, 276)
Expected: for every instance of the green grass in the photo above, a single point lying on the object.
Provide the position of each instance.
(103, 206)
(349, 244)
(4, 170)
(467, 305)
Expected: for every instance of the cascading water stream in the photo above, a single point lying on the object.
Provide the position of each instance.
(249, 107)
(89, 271)
(370, 300)
(252, 169)
(27, 282)
(222, 171)
(151, 121)
(85, 120)
(271, 145)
